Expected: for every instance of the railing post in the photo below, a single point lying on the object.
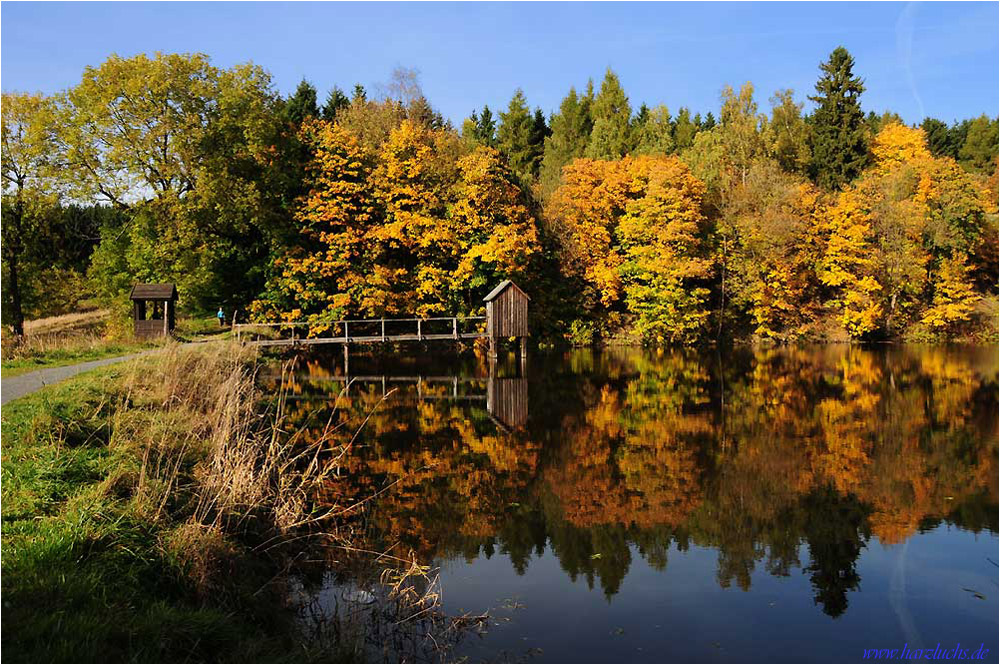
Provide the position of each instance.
(454, 327)
(383, 329)
(420, 334)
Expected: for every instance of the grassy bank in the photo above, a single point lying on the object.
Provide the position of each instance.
(152, 511)
(132, 497)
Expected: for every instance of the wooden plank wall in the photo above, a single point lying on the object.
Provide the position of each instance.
(149, 328)
(508, 314)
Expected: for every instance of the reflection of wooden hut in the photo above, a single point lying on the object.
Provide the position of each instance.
(507, 401)
(154, 309)
(507, 314)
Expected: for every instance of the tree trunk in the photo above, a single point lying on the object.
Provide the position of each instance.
(12, 249)
(15, 298)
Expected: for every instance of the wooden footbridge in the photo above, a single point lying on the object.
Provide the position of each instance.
(506, 316)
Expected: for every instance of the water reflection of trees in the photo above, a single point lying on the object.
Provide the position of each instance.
(759, 455)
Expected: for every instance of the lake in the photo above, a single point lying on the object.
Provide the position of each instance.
(801, 504)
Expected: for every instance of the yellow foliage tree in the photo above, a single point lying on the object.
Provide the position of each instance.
(323, 278)
(954, 298)
(630, 233)
(499, 236)
(847, 264)
(663, 266)
(897, 144)
(415, 229)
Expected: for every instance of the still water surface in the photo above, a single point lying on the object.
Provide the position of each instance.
(624, 505)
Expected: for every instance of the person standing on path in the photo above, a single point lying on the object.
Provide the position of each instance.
(222, 318)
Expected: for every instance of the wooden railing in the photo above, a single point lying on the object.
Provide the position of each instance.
(349, 331)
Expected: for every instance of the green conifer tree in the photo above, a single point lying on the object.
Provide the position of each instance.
(655, 134)
(840, 135)
(486, 127)
(516, 137)
(567, 140)
(335, 101)
(302, 104)
(609, 138)
(684, 129)
(938, 137)
(979, 150)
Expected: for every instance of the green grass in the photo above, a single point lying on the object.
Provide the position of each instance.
(87, 576)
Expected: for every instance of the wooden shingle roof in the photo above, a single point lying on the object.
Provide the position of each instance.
(154, 292)
(501, 287)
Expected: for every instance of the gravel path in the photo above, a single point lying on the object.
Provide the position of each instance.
(18, 386)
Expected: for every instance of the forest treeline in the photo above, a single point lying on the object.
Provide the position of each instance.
(621, 222)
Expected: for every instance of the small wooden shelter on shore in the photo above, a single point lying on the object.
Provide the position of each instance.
(154, 308)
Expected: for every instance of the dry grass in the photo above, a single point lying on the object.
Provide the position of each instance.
(67, 322)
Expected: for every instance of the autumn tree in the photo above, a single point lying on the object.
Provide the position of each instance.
(771, 219)
(954, 298)
(789, 133)
(839, 136)
(664, 269)
(323, 277)
(848, 267)
(498, 235)
(630, 235)
(742, 131)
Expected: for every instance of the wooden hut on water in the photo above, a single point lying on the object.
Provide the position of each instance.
(507, 314)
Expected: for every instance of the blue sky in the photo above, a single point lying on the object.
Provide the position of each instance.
(936, 59)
